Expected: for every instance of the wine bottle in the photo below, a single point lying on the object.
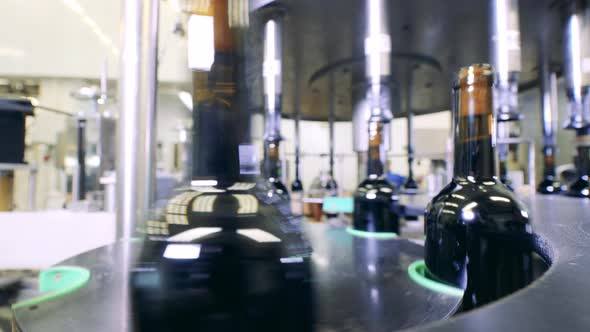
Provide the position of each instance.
(272, 167)
(297, 185)
(375, 203)
(220, 119)
(478, 235)
(549, 184)
(581, 187)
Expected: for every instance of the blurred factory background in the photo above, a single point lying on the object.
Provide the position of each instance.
(67, 50)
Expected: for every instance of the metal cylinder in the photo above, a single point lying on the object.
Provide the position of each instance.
(548, 102)
(136, 126)
(272, 67)
(297, 136)
(80, 194)
(576, 58)
(331, 120)
(410, 182)
(505, 56)
(378, 55)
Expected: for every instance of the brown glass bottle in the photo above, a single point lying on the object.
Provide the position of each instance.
(549, 184)
(220, 116)
(375, 203)
(271, 168)
(478, 235)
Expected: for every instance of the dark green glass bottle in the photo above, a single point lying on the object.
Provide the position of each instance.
(549, 184)
(581, 186)
(375, 203)
(478, 235)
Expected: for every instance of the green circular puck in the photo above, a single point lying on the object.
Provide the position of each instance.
(371, 235)
(417, 272)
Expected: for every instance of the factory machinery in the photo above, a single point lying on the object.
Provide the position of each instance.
(231, 250)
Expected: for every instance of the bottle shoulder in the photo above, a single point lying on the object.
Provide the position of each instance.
(379, 184)
(470, 203)
(297, 185)
(378, 187)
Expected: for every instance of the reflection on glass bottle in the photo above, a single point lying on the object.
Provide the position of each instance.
(227, 254)
(375, 204)
(375, 265)
(478, 235)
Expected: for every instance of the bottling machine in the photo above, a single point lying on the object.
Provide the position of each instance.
(229, 252)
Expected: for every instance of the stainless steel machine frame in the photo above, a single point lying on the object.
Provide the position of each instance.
(136, 126)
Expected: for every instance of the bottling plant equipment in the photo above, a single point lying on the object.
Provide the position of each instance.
(228, 253)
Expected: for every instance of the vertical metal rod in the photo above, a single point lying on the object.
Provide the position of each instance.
(410, 182)
(136, 127)
(32, 188)
(272, 74)
(104, 81)
(100, 148)
(81, 193)
(548, 103)
(331, 119)
(505, 56)
(549, 106)
(577, 76)
(531, 162)
(297, 130)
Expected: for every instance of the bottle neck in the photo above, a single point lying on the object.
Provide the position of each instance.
(549, 161)
(219, 117)
(583, 151)
(474, 150)
(583, 160)
(474, 128)
(376, 149)
(271, 159)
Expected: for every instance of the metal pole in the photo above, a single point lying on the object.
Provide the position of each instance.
(331, 119)
(577, 76)
(136, 126)
(410, 182)
(505, 56)
(531, 175)
(297, 131)
(81, 180)
(32, 187)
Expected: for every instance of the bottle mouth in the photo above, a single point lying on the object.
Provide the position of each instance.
(474, 74)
